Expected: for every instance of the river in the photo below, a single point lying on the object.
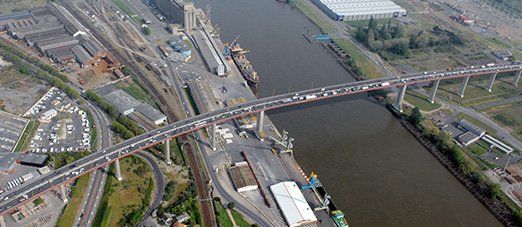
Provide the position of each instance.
(376, 172)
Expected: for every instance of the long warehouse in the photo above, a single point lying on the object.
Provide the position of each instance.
(293, 204)
(349, 10)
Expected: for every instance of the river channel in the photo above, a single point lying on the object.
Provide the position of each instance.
(375, 171)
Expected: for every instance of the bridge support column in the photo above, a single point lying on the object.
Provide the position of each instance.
(117, 169)
(167, 152)
(434, 90)
(260, 123)
(64, 193)
(492, 81)
(213, 136)
(400, 98)
(463, 86)
(2, 221)
(517, 78)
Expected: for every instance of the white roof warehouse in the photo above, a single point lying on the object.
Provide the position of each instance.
(349, 10)
(293, 205)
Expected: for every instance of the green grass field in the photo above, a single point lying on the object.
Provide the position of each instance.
(27, 135)
(126, 195)
(135, 90)
(69, 212)
(510, 117)
(305, 9)
(420, 101)
(223, 218)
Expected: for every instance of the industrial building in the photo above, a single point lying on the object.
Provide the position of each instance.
(55, 33)
(293, 204)
(34, 159)
(126, 104)
(472, 134)
(242, 177)
(350, 10)
(178, 11)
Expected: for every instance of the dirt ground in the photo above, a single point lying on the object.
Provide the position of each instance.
(18, 91)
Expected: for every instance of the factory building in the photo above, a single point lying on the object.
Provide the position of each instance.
(242, 177)
(293, 204)
(126, 104)
(34, 159)
(350, 10)
(55, 33)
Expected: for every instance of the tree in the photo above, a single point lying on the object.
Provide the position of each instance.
(372, 24)
(398, 31)
(24, 69)
(231, 205)
(415, 116)
(361, 34)
(370, 37)
(400, 48)
(146, 30)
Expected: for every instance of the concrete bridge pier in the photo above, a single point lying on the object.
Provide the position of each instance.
(434, 90)
(167, 152)
(117, 170)
(400, 98)
(260, 123)
(463, 86)
(517, 78)
(2, 221)
(64, 193)
(213, 136)
(492, 81)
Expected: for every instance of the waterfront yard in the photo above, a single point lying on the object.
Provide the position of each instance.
(420, 101)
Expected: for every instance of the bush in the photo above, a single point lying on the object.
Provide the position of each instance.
(231, 205)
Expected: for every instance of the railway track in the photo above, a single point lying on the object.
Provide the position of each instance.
(165, 97)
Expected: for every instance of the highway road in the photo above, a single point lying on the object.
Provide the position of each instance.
(159, 186)
(102, 158)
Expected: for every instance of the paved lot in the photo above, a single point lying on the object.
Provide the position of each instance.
(68, 131)
(11, 129)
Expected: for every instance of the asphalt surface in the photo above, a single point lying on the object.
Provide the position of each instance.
(106, 156)
(159, 189)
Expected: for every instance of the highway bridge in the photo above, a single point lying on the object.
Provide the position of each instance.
(56, 178)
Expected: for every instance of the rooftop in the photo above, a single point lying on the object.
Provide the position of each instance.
(293, 205)
(242, 177)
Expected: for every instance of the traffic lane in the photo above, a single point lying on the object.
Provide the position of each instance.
(260, 106)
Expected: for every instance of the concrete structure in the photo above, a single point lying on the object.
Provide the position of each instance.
(98, 160)
(63, 192)
(173, 10)
(463, 86)
(213, 135)
(471, 127)
(117, 170)
(468, 138)
(242, 177)
(167, 152)
(517, 78)
(349, 10)
(400, 98)
(492, 81)
(498, 144)
(48, 115)
(126, 104)
(33, 159)
(189, 15)
(260, 123)
(434, 90)
(292, 203)
(8, 161)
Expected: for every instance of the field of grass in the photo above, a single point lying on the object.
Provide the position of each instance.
(366, 66)
(510, 117)
(224, 219)
(128, 193)
(305, 9)
(27, 135)
(69, 212)
(420, 101)
(475, 91)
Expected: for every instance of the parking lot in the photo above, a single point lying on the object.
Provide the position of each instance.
(11, 130)
(64, 126)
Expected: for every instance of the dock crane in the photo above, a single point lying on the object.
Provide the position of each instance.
(312, 181)
(285, 142)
